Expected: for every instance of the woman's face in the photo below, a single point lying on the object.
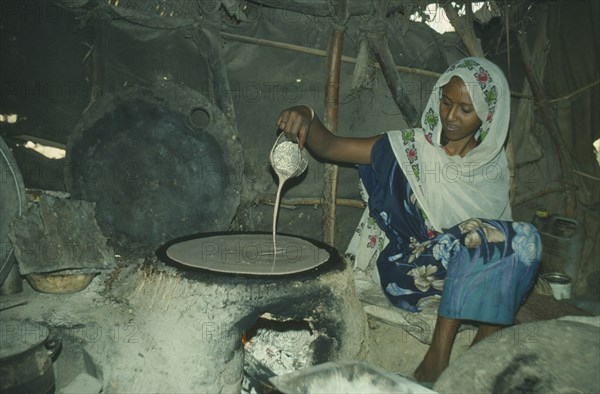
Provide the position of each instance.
(459, 119)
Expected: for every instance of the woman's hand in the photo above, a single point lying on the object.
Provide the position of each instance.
(302, 126)
(295, 123)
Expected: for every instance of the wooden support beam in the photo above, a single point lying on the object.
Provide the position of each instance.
(555, 187)
(293, 202)
(379, 46)
(324, 7)
(332, 97)
(463, 25)
(318, 52)
(565, 161)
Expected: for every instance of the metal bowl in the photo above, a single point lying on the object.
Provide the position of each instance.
(60, 283)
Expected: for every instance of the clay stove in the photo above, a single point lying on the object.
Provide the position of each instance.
(195, 320)
(154, 325)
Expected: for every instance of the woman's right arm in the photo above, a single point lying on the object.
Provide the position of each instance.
(301, 125)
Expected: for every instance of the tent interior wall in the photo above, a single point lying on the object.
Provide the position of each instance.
(251, 59)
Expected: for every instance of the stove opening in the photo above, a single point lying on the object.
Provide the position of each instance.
(276, 346)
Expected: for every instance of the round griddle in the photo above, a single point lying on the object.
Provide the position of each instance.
(248, 254)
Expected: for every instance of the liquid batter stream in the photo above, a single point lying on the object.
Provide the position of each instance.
(288, 161)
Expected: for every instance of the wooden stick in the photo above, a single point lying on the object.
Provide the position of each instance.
(576, 92)
(378, 43)
(332, 97)
(292, 202)
(507, 30)
(464, 28)
(555, 187)
(566, 164)
(510, 160)
(322, 8)
(583, 174)
(318, 52)
(520, 95)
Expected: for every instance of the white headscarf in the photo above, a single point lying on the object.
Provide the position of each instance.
(451, 189)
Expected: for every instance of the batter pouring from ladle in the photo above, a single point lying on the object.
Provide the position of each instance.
(288, 161)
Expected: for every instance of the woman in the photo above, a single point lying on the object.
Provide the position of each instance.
(440, 194)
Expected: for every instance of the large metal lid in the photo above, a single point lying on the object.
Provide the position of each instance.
(165, 162)
(17, 337)
(249, 254)
(13, 204)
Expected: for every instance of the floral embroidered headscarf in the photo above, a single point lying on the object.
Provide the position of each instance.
(451, 189)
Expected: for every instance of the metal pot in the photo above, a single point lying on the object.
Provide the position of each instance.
(26, 353)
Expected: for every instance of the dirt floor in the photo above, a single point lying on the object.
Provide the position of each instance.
(393, 349)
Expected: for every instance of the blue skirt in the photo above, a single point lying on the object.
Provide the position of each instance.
(483, 269)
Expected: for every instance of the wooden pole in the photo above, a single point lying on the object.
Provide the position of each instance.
(464, 28)
(379, 46)
(332, 93)
(317, 52)
(566, 164)
(555, 187)
(293, 202)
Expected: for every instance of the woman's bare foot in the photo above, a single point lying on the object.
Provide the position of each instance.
(438, 355)
(431, 367)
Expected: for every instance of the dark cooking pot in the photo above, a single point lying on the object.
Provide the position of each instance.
(26, 353)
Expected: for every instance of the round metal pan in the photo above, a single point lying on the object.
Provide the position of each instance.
(249, 254)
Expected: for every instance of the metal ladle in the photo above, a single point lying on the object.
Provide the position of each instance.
(287, 159)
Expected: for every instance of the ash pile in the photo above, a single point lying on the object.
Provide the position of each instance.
(274, 347)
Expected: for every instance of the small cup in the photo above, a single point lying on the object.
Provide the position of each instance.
(560, 285)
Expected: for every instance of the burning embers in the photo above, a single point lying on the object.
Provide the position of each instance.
(275, 347)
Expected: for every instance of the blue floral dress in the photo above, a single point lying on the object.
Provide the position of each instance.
(483, 269)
